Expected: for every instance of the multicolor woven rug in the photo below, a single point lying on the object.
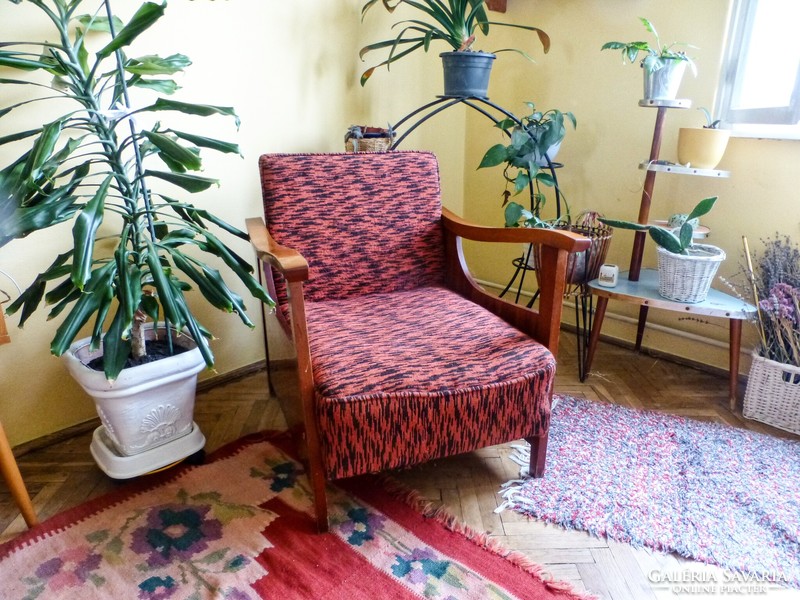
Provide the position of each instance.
(240, 527)
(709, 492)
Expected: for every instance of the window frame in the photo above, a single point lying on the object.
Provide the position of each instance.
(770, 122)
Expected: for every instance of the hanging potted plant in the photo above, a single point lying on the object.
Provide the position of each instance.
(456, 23)
(702, 147)
(685, 269)
(662, 65)
(136, 250)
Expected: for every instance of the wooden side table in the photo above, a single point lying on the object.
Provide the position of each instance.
(8, 464)
(645, 293)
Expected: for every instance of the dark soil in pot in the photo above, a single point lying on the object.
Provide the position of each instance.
(156, 350)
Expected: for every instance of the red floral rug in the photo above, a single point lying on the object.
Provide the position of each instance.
(240, 526)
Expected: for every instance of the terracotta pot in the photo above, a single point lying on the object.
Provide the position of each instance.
(701, 147)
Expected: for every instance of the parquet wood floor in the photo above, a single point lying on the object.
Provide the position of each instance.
(63, 474)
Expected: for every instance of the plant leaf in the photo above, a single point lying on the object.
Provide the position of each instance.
(84, 232)
(666, 239)
(190, 183)
(203, 110)
(190, 159)
(147, 14)
(702, 208)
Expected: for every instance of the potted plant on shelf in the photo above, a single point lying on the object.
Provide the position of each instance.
(702, 147)
(685, 269)
(107, 165)
(772, 395)
(456, 23)
(663, 66)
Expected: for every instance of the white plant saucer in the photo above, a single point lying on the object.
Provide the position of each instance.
(119, 466)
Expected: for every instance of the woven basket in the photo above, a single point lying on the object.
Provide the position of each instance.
(368, 139)
(687, 278)
(773, 394)
(584, 266)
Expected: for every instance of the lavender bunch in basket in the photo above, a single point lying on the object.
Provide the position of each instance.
(775, 279)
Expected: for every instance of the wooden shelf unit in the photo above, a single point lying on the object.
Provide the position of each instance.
(645, 292)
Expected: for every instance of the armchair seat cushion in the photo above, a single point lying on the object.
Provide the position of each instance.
(416, 363)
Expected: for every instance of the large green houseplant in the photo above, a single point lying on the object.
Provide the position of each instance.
(110, 167)
(92, 163)
(454, 22)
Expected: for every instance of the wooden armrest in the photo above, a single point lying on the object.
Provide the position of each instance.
(289, 262)
(557, 238)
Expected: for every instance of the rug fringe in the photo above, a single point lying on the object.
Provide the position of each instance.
(428, 509)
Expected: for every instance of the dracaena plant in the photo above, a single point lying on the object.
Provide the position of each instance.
(454, 22)
(135, 251)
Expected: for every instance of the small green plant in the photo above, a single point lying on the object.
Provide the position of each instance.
(523, 158)
(656, 56)
(455, 22)
(664, 237)
(710, 122)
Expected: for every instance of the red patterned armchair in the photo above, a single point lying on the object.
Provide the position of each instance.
(401, 357)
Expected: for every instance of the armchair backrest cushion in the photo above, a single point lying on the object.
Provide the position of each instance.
(365, 222)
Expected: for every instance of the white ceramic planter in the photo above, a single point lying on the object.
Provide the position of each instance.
(148, 405)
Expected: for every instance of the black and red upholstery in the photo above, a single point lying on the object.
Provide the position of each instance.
(398, 363)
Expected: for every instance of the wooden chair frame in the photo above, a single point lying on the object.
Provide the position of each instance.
(542, 325)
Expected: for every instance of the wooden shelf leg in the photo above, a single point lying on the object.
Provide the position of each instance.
(594, 336)
(10, 470)
(735, 348)
(643, 309)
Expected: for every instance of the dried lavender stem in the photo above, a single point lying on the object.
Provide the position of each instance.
(755, 292)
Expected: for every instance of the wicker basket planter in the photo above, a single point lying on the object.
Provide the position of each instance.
(773, 394)
(360, 138)
(687, 278)
(581, 266)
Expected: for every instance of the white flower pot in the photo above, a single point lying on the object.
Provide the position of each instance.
(148, 405)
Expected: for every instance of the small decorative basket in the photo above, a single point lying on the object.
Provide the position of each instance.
(584, 266)
(773, 394)
(360, 138)
(687, 278)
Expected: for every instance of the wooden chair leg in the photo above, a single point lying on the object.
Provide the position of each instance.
(538, 454)
(320, 499)
(10, 470)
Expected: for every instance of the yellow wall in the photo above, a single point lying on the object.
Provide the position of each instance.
(291, 70)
